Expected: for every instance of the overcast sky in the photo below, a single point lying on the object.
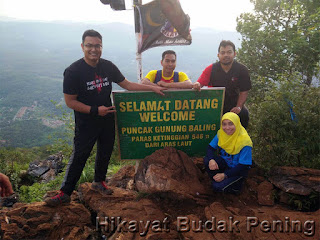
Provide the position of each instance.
(216, 14)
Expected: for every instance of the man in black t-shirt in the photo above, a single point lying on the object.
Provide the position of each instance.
(232, 75)
(87, 86)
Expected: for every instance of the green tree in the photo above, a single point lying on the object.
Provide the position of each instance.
(280, 140)
(281, 36)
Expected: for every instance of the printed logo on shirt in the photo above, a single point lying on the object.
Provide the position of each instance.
(98, 83)
(226, 156)
(233, 79)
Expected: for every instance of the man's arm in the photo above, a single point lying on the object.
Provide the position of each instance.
(73, 103)
(5, 186)
(197, 86)
(204, 78)
(131, 86)
(146, 81)
(187, 84)
(241, 100)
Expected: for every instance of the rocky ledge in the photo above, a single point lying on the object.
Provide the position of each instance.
(167, 196)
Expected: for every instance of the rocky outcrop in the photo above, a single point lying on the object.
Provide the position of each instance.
(9, 201)
(301, 181)
(171, 171)
(46, 169)
(121, 215)
(38, 221)
(124, 178)
(266, 194)
(132, 214)
(245, 222)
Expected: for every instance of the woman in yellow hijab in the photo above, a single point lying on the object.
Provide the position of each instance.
(229, 155)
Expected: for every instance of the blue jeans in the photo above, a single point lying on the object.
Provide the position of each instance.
(230, 184)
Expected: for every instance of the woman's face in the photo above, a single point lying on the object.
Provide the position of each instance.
(228, 127)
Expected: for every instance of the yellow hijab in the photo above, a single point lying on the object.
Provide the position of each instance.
(233, 144)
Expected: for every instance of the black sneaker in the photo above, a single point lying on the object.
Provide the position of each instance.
(59, 199)
(102, 187)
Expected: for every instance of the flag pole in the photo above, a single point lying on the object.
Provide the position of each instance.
(137, 33)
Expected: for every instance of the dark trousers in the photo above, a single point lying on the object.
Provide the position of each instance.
(230, 184)
(243, 115)
(86, 135)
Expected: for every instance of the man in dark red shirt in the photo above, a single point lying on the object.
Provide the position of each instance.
(232, 75)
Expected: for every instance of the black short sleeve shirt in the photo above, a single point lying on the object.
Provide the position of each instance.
(235, 81)
(92, 85)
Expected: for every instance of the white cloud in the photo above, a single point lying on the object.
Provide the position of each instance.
(217, 14)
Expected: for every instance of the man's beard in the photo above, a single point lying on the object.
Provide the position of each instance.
(226, 63)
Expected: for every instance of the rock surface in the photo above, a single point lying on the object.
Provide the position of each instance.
(46, 169)
(171, 171)
(38, 221)
(123, 178)
(301, 181)
(131, 215)
(245, 222)
(123, 207)
(266, 194)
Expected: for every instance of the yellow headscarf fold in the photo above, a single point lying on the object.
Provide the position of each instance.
(233, 144)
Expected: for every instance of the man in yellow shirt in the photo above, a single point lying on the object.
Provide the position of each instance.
(167, 77)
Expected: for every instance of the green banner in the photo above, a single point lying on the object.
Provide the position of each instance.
(184, 119)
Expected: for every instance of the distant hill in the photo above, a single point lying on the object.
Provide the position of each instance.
(33, 56)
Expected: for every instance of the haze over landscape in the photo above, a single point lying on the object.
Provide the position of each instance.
(33, 56)
(40, 39)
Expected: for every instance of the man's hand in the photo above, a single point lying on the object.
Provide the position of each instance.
(103, 110)
(158, 90)
(176, 85)
(5, 186)
(240, 103)
(146, 81)
(219, 177)
(236, 110)
(131, 86)
(197, 86)
(163, 84)
(213, 165)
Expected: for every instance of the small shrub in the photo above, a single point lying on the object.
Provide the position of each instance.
(36, 192)
(305, 203)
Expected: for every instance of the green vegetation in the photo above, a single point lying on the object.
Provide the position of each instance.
(36, 191)
(281, 47)
(14, 162)
(281, 37)
(279, 140)
(305, 203)
(29, 133)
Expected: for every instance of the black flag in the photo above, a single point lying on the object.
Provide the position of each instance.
(162, 23)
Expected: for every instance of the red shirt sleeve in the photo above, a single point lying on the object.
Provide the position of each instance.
(204, 79)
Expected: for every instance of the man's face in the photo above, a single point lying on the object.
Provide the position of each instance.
(226, 55)
(169, 63)
(92, 49)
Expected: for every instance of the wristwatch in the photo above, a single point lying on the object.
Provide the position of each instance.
(239, 108)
